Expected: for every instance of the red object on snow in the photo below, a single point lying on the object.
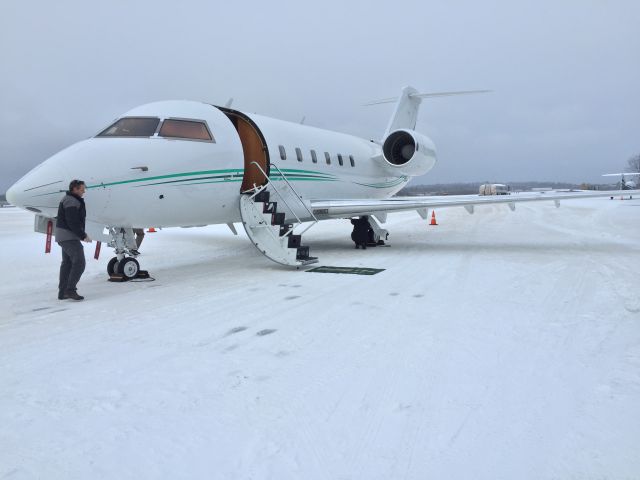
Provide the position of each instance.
(433, 218)
(47, 247)
(97, 254)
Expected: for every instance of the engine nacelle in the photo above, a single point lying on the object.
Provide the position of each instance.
(408, 152)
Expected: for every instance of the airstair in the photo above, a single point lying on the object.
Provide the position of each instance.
(272, 229)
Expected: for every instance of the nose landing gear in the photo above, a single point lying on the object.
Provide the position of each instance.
(127, 266)
(124, 265)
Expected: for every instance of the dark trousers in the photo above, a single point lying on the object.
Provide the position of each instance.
(139, 232)
(72, 265)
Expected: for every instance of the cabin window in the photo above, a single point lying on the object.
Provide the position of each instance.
(283, 152)
(132, 127)
(299, 154)
(185, 129)
(327, 158)
(352, 160)
(340, 161)
(314, 157)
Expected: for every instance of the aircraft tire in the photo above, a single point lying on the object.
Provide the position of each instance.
(111, 266)
(129, 267)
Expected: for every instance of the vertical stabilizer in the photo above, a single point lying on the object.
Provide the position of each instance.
(405, 114)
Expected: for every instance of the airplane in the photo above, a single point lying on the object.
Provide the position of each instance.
(189, 164)
(624, 183)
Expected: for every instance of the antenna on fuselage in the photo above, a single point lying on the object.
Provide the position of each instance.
(303, 119)
(229, 102)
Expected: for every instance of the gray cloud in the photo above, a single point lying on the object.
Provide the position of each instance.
(565, 74)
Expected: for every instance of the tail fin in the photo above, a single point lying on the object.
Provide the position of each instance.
(405, 114)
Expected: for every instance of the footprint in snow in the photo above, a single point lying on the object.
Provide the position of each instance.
(292, 297)
(419, 295)
(235, 330)
(394, 294)
(266, 331)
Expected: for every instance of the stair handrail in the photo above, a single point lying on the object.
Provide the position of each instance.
(277, 191)
(294, 191)
(284, 199)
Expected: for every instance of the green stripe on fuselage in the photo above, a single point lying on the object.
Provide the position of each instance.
(235, 172)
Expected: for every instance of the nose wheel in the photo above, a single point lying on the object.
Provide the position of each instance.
(129, 267)
(126, 269)
(124, 266)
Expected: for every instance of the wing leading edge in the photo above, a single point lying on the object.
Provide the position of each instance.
(350, 208)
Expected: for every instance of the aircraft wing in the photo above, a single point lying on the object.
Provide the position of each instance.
(351, 208)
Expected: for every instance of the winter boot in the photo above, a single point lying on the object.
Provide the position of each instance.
(73, 295)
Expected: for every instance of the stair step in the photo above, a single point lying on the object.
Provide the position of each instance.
(262, 196)
(266, 227)
(277, 219)
(294, 241)
(285, 228)
(270, 207)
(302, 253)
(308, 260)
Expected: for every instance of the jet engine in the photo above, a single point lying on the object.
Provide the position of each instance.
(408, 152)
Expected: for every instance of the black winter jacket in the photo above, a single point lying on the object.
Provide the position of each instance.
(71, 218)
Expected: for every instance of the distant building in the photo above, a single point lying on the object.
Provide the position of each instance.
(494, 189)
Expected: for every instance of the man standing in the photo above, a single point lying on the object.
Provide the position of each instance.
(69, 232)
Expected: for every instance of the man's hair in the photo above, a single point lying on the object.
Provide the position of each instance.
(75, 184)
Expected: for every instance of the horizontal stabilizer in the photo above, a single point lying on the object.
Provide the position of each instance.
(405, 114)
(426, 95)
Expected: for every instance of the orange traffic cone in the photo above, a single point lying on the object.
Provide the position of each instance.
(151, 230)
(433, 218)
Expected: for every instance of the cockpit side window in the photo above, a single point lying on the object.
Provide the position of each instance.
(185, 129)
(132, 127)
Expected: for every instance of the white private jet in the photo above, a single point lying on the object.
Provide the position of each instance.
(186, 164)
(625, 184)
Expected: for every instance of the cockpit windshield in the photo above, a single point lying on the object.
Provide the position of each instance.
(185, 129)
(132, 127)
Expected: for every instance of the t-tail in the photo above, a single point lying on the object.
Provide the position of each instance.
(405, 114)
(405, 151)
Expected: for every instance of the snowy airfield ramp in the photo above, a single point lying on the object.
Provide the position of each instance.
(497, 345)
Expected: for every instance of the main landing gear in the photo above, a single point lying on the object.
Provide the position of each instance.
(368, 233)
(124, 265)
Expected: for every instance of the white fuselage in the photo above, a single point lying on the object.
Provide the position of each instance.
(164, 182)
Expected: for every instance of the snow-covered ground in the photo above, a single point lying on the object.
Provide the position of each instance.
(495, 346)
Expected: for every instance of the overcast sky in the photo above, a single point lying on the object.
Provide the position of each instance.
(565, 74)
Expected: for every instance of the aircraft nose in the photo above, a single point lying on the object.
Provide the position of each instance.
(37, 192)
(12, 195)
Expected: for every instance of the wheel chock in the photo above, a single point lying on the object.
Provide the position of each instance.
(118, 277)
